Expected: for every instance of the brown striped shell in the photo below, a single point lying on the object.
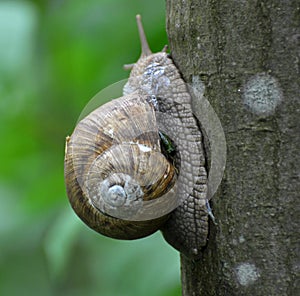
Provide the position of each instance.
(113, 163)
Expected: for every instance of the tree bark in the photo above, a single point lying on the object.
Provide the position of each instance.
(246, 53)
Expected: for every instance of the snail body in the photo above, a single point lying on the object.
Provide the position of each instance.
(119, 157)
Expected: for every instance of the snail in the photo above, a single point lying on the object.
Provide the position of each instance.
(136, 164)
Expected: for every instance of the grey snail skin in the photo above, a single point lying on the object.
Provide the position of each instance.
(140, 148)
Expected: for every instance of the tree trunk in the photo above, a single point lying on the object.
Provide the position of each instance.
(247, 55)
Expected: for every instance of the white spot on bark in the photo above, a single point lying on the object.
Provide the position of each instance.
(195, 251)
(262, 94)
(241, 239)
(198, 85)
(246, 273)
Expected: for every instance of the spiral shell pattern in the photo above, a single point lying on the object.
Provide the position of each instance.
(114, 164)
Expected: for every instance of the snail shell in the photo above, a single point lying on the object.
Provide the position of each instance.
(113, 163)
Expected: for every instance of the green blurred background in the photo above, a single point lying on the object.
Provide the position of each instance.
(55, 56)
